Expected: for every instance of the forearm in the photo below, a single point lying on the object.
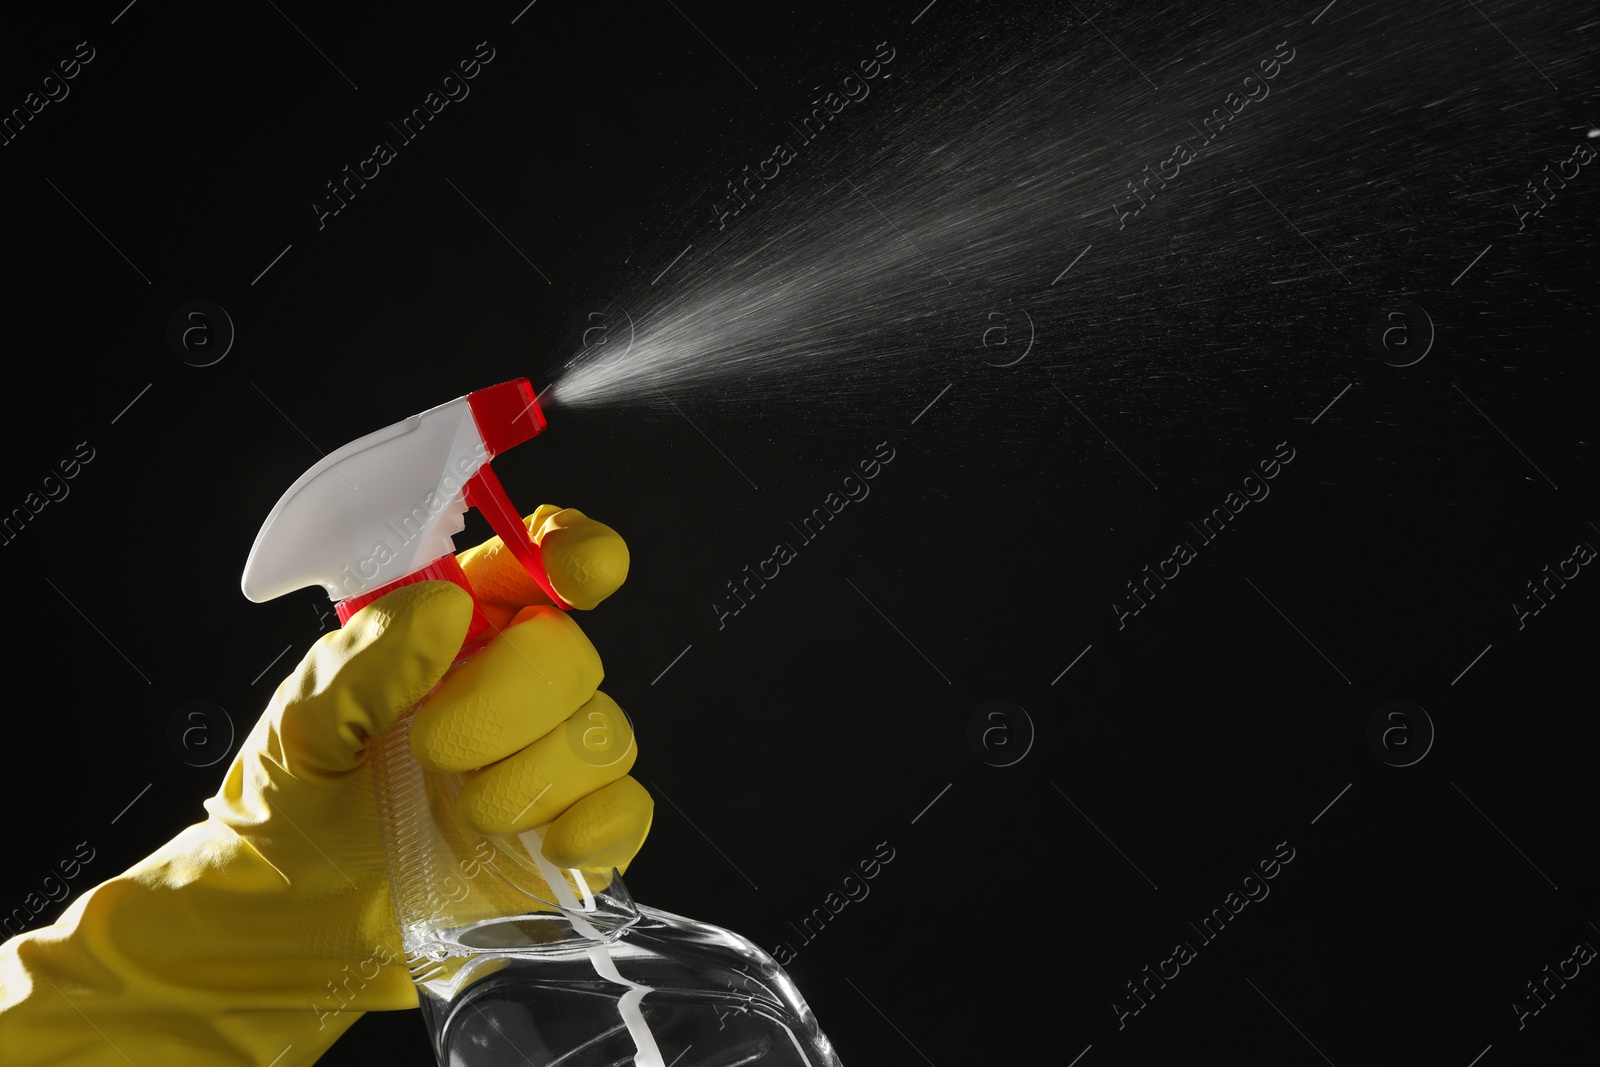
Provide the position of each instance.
(195, 956)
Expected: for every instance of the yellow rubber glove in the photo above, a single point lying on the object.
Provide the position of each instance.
(261, 934)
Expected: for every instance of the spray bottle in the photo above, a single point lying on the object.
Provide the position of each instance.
(516, 962)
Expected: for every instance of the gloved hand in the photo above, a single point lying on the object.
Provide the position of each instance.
(260, 935)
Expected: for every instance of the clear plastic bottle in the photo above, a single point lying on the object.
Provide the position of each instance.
(517, 962)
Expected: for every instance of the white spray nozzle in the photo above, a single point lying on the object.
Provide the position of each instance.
(387, 505)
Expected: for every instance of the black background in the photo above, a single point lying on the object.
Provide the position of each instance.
(1220, 721)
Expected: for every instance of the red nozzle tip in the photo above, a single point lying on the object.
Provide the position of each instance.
(506, 414)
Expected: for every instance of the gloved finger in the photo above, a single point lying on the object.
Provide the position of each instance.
(586, 561)
(591, 749)
(357, 680)
(517, 689)
(603, 830)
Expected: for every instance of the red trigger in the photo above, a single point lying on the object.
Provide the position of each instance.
(484, 492)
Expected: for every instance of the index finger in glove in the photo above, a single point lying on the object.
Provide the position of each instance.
(585, 560)
(521, 686)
